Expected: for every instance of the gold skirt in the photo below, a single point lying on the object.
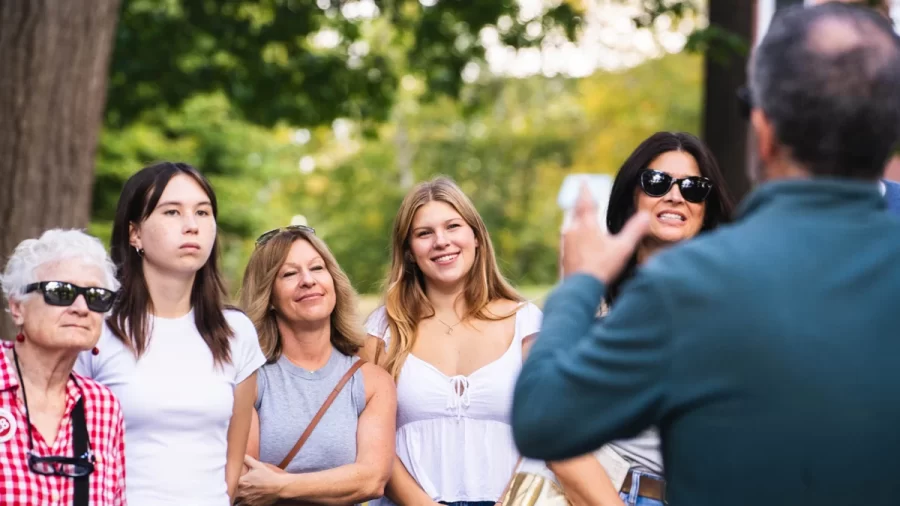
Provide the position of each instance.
(528, 489)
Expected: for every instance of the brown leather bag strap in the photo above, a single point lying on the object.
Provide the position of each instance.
(378, 351)
(315, 421)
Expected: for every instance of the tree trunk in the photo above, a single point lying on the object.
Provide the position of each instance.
(724, 129)
(54, 63)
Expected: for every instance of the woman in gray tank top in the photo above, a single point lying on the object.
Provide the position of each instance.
(304, 310)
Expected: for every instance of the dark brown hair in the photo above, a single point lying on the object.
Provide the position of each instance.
(719, 205)
(128, 320)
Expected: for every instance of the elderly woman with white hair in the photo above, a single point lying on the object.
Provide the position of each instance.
(61, 435)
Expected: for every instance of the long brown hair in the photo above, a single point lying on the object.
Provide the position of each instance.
(259, 283)
(129, 321)
(405, 301)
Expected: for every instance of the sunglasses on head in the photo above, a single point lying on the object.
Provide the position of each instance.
(694, 188)
(61, 293)
(264, 238)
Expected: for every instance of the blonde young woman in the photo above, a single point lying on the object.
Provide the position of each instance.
(454, 332)
(304, 310)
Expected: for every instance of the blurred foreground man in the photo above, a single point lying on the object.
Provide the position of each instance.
(767, 352)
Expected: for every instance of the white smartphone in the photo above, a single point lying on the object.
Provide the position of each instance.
(600, 186)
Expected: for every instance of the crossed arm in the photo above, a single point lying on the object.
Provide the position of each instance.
(354, 483)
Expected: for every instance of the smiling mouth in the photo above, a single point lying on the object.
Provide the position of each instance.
(445, 259)
(309, 296)
(671, 217)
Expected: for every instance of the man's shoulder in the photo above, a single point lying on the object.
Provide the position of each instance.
(705, 252)
(892, 195)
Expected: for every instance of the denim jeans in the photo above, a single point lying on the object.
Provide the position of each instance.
(631, 498)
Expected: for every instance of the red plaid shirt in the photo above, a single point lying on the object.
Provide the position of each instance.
(19, 486)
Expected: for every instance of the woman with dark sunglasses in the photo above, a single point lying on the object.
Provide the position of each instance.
(61, 434)
(182, 364)
(675, 179)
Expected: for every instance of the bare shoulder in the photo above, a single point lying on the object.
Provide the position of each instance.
(504, 307)
(377, 381)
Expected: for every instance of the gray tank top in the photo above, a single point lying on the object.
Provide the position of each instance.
(288, 397)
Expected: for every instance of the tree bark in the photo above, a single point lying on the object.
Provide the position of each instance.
(724, 129)
(54, 63)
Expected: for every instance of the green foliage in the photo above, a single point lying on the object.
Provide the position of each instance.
(624, 109)
(262, 54)
(721, 46)
(244, 162)
(508, 143)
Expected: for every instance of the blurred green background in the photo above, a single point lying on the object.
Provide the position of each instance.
(341, 153)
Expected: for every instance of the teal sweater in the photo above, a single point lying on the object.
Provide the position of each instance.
(767, 352)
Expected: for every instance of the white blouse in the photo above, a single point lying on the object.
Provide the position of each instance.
(453, 432)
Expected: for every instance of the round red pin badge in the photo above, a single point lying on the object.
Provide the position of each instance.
(7, 425)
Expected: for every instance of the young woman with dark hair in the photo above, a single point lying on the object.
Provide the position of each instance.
(181, 363)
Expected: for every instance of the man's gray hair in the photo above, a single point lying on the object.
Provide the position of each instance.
(828, 79)
(52, 246)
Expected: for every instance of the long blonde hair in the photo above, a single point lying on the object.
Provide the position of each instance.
(259, 282)
(405, 302)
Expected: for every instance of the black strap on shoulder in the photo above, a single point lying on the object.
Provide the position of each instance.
(82, 495)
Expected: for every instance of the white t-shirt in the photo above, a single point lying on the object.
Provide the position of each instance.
(177, 408)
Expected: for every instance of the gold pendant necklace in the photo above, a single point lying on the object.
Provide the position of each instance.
(449, 327)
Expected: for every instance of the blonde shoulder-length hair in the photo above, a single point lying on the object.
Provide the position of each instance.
(259, 282)
(405, 302)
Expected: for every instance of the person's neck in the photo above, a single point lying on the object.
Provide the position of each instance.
(447, 301)
(306, 344)
(44, 372)
(648, 248)
(171, 295)
(783, 170)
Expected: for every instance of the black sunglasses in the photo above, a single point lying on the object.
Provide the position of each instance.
(55, 465)
(61, 293)
(275, 231)
(694, 188)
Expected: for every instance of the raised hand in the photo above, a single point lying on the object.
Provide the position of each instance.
(589, 249)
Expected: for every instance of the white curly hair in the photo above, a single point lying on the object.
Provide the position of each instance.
(52, 246)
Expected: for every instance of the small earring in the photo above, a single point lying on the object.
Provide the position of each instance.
(140, 251)
(20, 337)
(95, 351)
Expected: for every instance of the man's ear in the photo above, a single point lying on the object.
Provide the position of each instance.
(765, 136)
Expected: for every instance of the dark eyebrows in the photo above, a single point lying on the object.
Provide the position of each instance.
(177, 203)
